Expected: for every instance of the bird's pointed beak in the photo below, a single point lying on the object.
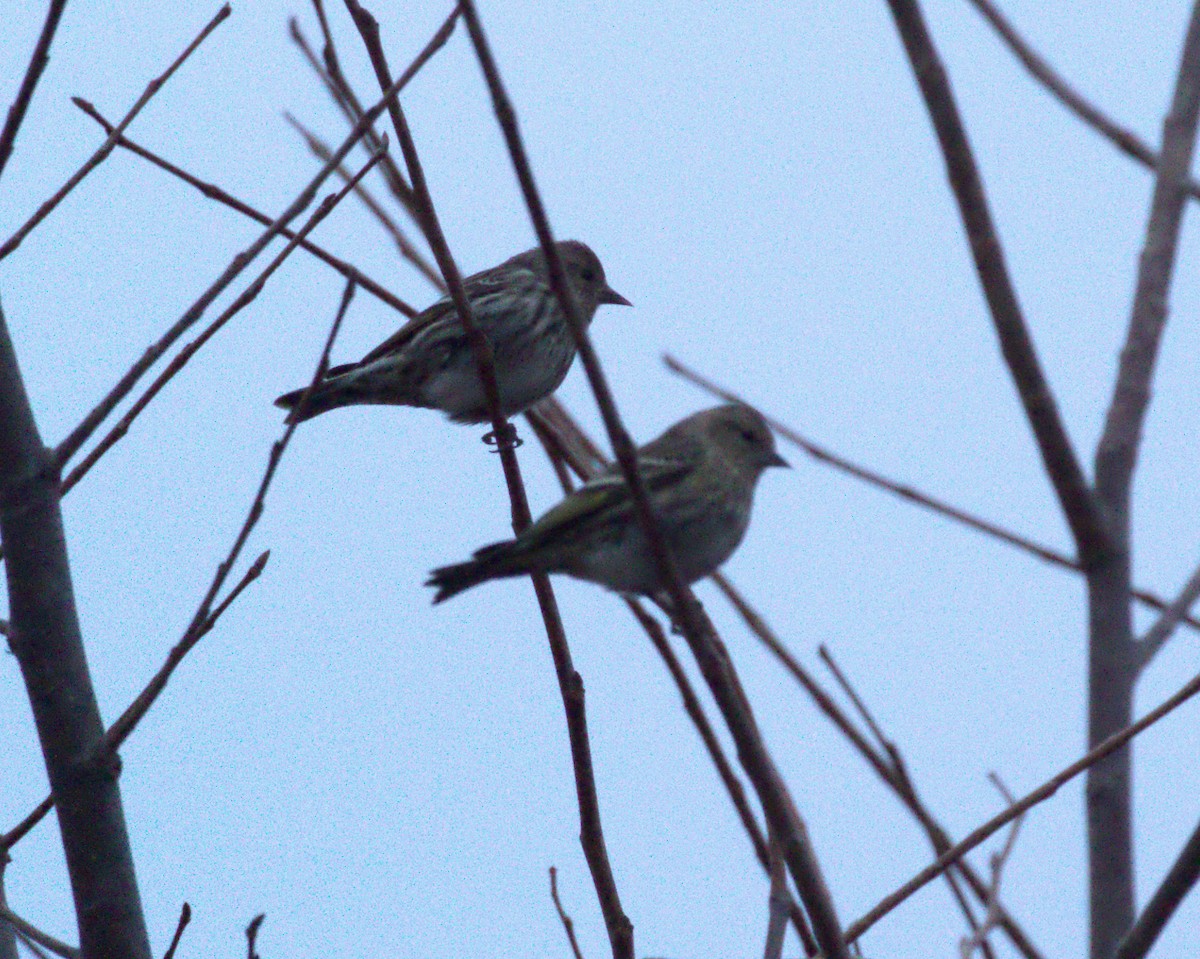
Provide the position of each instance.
(777, 460)
(609, 295)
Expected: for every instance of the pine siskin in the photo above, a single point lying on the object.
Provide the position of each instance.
(700, 476)
(429, 361)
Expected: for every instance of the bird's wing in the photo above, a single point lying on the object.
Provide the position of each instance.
(485, 291)
(604, 498)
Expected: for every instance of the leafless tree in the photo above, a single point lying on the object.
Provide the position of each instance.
(81, 755)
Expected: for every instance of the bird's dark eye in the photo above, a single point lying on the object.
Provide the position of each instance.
(587, 274)
(749, 437)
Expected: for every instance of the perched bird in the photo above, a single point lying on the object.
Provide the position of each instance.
(700, 476)
(429, 362)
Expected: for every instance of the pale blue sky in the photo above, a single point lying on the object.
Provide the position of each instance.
(386, 778)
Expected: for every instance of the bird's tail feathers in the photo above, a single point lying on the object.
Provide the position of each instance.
(492, 562)
(333, 391)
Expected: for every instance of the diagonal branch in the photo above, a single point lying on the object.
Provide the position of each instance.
(1158, 634)
(214, 192)
(347, 101)
(1038, 795)
(32, 933)
(569, 448)
(782, 816)
(69, 446)
(890, 768)
(1116, 455)
(1123, 139)
(33, 73)
(1058, 456)
(1178, 883)
(407, 251)
(240, 302)
(912, 495)
(107, 146)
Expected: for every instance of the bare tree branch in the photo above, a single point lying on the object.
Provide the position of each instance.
(620, 929)
(907, 791)
(69, 446)
(888, 765)
(8, 932)
(252, 935)
(243, 300)
(33, 73)
(1058, 455)
(347, 101)
(214, 192)
(205, 616)
(1040, 794)
(978, 938)
(778, 901)
(1113, 654)
(569, 448)
(106, 148)
(1157, 635)
(1180, 879)
(1122, 138)
(46, 639)
(713, 659)
(34, 934)
(321, 150)
(910, 494)
(185, 916)
(568, 926)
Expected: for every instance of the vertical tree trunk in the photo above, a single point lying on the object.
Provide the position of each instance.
(1112, 673)
(45, 637)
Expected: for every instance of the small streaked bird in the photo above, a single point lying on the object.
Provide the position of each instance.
(429, 362)
(700, 476)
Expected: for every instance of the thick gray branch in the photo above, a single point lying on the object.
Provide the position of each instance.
(44, 635)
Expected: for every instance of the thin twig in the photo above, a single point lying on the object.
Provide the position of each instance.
(203, 618)
(347, 101)
(909, 493)
(107, 147)
(69, 446)
(34, 934)
(568, 925)
(214, 192)
(33, 72)
(1040, 794)
(185, 916)
(252, 935)
(890, 767)
(978, 938)
(36, 815)
(1122, 138)
(1178, 882)
(778, 901)
(906, 790)
(710, 654)
(733, 786)
(1158, 634)
(321, 150)
(34, 949)
(1054, 444)
(243, 300)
